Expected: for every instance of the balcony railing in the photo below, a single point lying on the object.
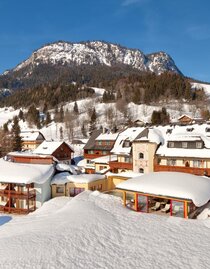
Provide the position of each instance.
(18, 194)
(94, 155)
(190, 170)
(121, 165)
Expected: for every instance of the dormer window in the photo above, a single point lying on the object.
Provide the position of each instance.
(171, 144)
(184, 145)
(198, 145)
(190, 129)
(126, 144)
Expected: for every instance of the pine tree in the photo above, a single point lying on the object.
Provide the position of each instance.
(21, 115)
(16, 138)
(48, 118)
(93, 120)
(61, 133)
(61, 115)
(76, 110)
(83, 131)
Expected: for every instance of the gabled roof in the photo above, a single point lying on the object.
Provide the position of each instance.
(91, 142)
(31, 135)
(129, 135)
(151, 135)
(184, 115)
(49, 147)
(107, 137)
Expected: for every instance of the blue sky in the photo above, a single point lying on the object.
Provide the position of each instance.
(178, 27)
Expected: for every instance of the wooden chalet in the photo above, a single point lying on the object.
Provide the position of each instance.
(62, 151)
(99, 144)
(185, 119)
(31, 139)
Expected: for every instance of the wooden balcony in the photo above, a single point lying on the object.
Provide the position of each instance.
(94, 155)
(190, 170)
(120, 165)
(15, 194)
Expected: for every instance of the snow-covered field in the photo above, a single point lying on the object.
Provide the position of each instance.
(93, 230)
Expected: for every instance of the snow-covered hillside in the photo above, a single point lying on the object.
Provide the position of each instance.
(205, 87)
(108, 116)
(94, 230)
(97, 52)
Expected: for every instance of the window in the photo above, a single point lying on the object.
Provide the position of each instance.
(190, 129)
(141, 155)
(100, 143)
(108, 143)
(101, 167)
(126, 144)
(142, 203)
(141, 170)
(171, 144)
(184, 145)
(128, 160)
(99, 188)
(104, 152)
(171, 162)
(196, 163)
(90, 152)
(74, 191)
(198, 145)
(59, 189)
(177, 209)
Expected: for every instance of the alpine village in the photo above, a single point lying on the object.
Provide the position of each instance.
(101, 117)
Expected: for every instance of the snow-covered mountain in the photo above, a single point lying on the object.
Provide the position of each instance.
(98, 53)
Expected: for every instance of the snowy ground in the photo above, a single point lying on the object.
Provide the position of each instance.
(93, 230)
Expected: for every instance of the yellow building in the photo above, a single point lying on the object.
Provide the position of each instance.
(65, 184)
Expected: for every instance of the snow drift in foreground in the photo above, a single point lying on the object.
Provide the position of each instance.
(93, 230)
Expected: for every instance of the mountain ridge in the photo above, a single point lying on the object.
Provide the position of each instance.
(99, 52)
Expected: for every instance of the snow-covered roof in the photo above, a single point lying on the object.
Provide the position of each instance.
(67, 167)
(127, 174)
(23, 173)
(31, 135)
(164, 150)
(65, 177)
(128, 135)
(48, 147)
(171, 184)
(105, 159)
(184, 115)
(153, 136)
(108, 136)
(183, 152)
